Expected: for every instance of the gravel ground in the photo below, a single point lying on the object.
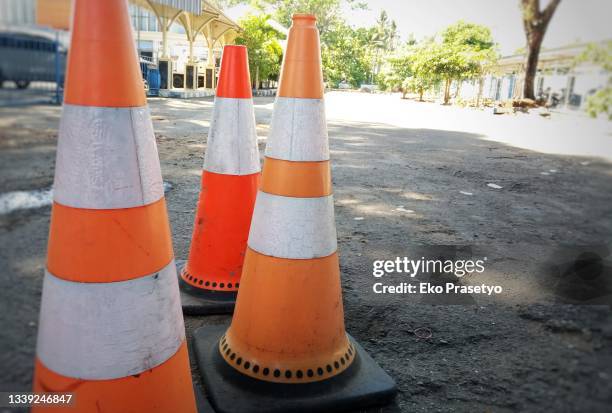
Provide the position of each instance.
(399, 191)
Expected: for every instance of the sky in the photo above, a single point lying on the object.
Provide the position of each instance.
(574, 20)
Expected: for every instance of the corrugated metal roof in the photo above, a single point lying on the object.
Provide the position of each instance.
(191, 6)
(17, 11)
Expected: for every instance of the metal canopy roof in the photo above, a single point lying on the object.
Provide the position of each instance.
(190, 6)
(196, 16)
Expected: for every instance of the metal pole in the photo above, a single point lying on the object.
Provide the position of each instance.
(138, 23)
(57, 69)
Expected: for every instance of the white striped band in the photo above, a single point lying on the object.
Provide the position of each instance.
(298, 131)
(100, 331)
(287, 227)
(106, 158)
(232, 140)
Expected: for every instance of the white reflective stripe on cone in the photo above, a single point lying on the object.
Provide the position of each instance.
(232, 140)
(99, 331)
(298, 131)
(106, 158)
(287, 227)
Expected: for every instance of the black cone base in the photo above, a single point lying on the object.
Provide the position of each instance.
(363, 384)
(196, 301)
(202, 404)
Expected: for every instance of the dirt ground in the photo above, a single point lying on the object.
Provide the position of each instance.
(542, 345)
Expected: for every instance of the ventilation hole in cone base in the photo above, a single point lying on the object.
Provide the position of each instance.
(198, 282)
(274, 374)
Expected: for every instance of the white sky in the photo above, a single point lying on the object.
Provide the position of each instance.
(574, 20)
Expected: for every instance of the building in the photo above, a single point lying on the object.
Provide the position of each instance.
(183, 38)
(558, 74)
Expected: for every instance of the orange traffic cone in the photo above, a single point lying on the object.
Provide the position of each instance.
(211, 278)
(286, 349)
(111, 329)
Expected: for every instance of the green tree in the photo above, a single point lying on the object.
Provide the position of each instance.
(384, 39)
(465, 51)
(397, 69)
(417, 85)
(601, 101)
(346, 55)
(265, 52)
(474, 50)
(431, 63)
(535, 23)
(328, 12)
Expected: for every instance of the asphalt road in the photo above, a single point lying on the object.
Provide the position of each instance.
(410, 180)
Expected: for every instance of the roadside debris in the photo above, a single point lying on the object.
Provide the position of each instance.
(401, 208)
(36, 198)
(18, 200)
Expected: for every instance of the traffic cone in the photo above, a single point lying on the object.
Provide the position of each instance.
(111, 328)
(211, 277)
(286, 349)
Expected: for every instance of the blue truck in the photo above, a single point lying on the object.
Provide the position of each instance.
(27, 58)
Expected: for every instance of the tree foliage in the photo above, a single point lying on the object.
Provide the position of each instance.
(383, 39)
(361, 55)
(265, 52)
(328, 12)
(397, 70)
(472, 48)
(465, 51)
(601, 101)
(346, 55)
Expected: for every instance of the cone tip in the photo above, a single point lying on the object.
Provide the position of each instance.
(235, 48)
(301, 72)
(303, 19)
(115, 80)
(234, 79)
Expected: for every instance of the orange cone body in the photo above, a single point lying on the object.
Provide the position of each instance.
(229, 182)
(111, 328)
(288, 325)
